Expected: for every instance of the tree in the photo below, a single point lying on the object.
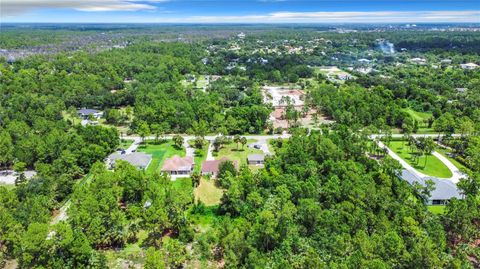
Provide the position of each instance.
(143, 130)
(236, 139)
(6, 149)
(157, 130)
(196, 178)
(226, 167)
(178, 141)
(243, 141)
(428, 148)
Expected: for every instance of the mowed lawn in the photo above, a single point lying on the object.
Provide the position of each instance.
(200, 155)
(160, 152)
(420, 117)
(230, 151)
(434, 167)
(208, 192)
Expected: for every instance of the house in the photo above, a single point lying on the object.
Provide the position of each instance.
(178, 165)
(469, 66)
(256, 159)
(85, 113)
(420, 61)
(138, 159)
(461, 90)
(444, 190)
(211, 167)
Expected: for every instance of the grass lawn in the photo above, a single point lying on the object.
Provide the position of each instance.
(183, 183)
(433, 168)
(455, 162)
(419, 116)
(200, 155)
(230, 151)
(437, 209)
(208, 193)
(160, 152)
(125, 143)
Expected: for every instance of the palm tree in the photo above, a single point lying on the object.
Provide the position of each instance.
(236, 139)
(243, 140)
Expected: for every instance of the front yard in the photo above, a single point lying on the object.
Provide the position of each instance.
(238, 154)
(434, 167)
(161, 151)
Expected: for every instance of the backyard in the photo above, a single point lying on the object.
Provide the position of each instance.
(208, 192)
(160, 151)
(434, 167)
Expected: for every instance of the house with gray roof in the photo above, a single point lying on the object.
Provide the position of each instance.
(444, 188)
(138, 159)
(85, 113)
(256, 159)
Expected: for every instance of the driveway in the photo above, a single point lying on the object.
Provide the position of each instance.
(457, 174)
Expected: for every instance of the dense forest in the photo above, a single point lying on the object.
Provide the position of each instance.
(319, 201)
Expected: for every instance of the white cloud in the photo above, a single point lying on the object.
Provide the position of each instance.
(345, 17)
(17, 7)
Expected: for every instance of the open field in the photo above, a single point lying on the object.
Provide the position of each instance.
(230, 151)
(160, 152)
(208, 192)
(433, 168)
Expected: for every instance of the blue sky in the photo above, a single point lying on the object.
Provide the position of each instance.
(240, 11)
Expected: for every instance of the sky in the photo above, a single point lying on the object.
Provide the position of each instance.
(240, 11)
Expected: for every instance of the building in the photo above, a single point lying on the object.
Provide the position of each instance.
(469, 66)
(138, 159)
(85, 113)
(444, 190)
(211, 168)
(256, 159)
(177, 165)
(419, 61)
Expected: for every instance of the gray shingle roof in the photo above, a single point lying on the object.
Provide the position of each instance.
(256, 157)
(87, 111)
(444, 188)
(138, 159)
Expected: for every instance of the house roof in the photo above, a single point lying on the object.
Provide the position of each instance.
(87, 111)
(444, 188)
(177, 163)
(138, 159)
(213, 165)
(256, 157)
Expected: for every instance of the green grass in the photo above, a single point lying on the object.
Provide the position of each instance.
(419, 116)
(208, 192)
(200, 155)
(160, 152)
(206, 218)
(125, 143)
(453, 160)
(433, 168)
(437, 209)
(230, 151)
(183, 183)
